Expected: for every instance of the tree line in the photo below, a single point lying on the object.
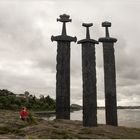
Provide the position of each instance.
(12, 101)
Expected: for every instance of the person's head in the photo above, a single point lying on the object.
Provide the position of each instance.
(23, 108)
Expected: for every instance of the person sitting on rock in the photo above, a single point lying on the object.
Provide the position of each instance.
(24, 114)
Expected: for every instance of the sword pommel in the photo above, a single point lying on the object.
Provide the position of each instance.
(106, 24)
(87, 24)
(64, 18)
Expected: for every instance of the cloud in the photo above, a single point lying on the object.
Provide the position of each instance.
(28, 57)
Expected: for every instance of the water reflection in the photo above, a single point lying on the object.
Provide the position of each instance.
(126, 117)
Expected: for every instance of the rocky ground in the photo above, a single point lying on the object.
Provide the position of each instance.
(12, 127)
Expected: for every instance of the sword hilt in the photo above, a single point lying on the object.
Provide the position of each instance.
(87, 25)
(64, 18)
(106, 24)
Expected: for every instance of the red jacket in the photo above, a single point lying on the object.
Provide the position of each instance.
(24, 114)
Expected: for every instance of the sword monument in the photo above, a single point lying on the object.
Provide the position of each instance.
(63, 70)
(89, 79)
(109, 76)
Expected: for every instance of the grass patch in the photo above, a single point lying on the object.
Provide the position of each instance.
(32, 119)
(85, 131)
(62, 134)
(6, 130)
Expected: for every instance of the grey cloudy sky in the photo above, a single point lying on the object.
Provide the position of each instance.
(28, 57)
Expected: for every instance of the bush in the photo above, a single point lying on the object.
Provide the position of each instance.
(32, 119)
(8, 100)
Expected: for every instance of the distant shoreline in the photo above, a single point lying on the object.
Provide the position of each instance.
(123, 107)
(77, 107)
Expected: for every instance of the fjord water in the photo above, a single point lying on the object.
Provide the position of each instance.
(126, 117)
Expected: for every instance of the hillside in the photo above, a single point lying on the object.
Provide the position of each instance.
(11, 127)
